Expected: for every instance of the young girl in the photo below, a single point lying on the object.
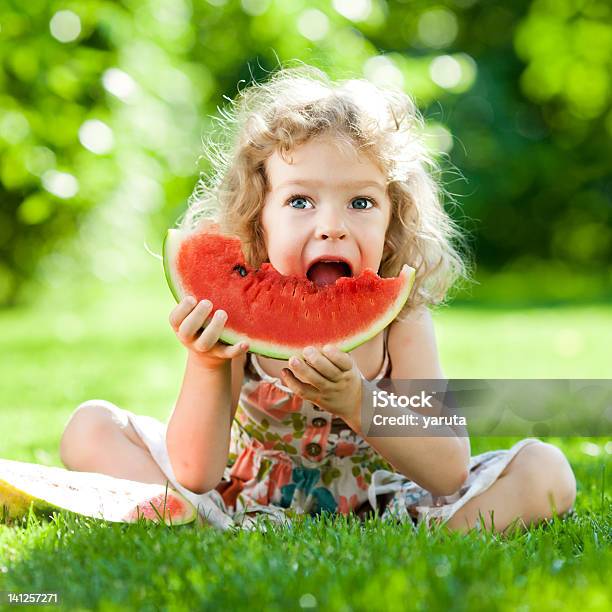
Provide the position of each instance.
(316, 169)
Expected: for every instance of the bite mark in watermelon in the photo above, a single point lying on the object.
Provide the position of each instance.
(279, 315)
(50, 489)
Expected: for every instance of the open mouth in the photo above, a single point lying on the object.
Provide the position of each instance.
(328, 272)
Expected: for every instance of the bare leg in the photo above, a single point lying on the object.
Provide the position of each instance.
(99, 439)
(538, 478)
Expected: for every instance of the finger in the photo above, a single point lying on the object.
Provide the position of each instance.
(211, 333)
(320, 363)
(181, 310)
(229, 352)
(338, 357)
(241, 347)
(305, 373)
(298, 387)
(194, 320)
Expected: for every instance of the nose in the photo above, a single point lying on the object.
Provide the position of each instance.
(331, 226)
(335, 234)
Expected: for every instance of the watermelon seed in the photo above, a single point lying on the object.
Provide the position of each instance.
(241, 270)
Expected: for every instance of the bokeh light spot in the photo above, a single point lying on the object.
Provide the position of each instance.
(313, 24)
(355, 10)
(445, 71)
(308, 600)
(14, 127)
(39, 159)
(437, 27)
(96, 137)
(65, 26)
(255, 7)
(591, 449)
(61, 184)
(119, 83)
(383, 72)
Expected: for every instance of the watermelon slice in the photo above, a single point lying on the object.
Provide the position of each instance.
(279, 315)
(49, 489)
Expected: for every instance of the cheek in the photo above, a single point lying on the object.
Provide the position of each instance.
(271, 226)
(373, 242)
(282, 241)
(374, 230)
(266, 221)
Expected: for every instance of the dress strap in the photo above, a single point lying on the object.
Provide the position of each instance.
(266, 377)
(263, 375)
(385, 365)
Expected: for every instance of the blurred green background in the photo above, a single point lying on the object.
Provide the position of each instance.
(104, 104)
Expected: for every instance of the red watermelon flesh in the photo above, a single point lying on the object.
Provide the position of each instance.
(280, 315)
(157, 507)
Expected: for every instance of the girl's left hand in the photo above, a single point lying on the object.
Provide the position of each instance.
(328, 378)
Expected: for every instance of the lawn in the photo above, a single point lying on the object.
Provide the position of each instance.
(113, 342)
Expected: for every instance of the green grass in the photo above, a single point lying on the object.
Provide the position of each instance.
(114, 342)
(336, 565)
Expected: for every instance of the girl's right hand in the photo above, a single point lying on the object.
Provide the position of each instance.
(187, 319)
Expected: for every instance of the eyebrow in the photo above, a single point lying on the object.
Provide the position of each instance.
(316, 183)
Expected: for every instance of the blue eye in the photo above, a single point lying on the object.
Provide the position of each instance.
(366, 200)
(297, 199)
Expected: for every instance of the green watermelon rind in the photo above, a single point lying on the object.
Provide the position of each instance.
(171, 245)
(15, 503)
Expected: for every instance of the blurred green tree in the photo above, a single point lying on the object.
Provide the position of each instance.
(103, 105)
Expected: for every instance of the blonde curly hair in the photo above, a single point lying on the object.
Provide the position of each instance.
(297, 104)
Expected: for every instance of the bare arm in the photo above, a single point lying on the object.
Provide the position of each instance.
(199, 428)
(438, 464)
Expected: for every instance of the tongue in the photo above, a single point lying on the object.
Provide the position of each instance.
(324, 273)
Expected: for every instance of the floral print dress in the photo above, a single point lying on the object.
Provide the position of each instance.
(289, 458)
